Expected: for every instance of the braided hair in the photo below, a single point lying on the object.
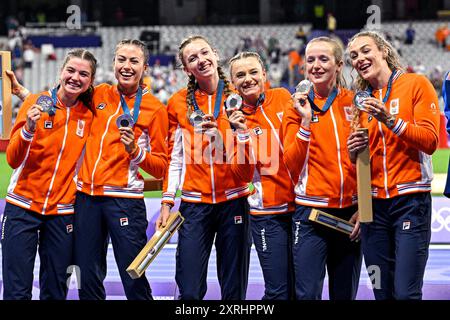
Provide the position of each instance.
(191, 87)
(192, 82)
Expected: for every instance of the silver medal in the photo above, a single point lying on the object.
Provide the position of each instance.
(125, 120)
(233, 103)
(303, 87)
(359, 98)
(196, 118)
(46, 103)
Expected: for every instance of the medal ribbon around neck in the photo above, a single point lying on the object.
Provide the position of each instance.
(52, 110)
(389, 87)
(136, 107)
(217, 105)
(245, 106)
(328, 103)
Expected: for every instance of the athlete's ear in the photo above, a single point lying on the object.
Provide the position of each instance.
(340, 66)
(216, 54)
(264, 75)
(187, 72)
(385, 53)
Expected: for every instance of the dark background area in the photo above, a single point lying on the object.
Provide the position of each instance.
(349, 14)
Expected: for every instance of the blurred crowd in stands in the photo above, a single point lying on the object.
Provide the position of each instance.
(284, 64)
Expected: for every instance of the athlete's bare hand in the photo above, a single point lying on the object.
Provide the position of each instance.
(356, 142)
(207, 126)
(377, 109)
(33, 115)
(164, 214)
(127, 138)
(303, 107)
(238, 120)
(354, 236)
(16, 88)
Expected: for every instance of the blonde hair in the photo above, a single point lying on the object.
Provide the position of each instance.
(244, 55)
(338, 53)
(392, 59)
(192, 83)
(392, 56)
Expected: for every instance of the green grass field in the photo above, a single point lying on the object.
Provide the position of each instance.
(440, 160)
(440, 165)
(5, 174)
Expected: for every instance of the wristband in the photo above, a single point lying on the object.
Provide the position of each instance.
(23, 94)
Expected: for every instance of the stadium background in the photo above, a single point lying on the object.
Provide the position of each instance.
(38, 33)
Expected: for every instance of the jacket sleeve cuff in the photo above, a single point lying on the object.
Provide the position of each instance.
(169, 198)
(138, 155)
(304, 134)
(243, 135)
(399, 127)
(26, 135)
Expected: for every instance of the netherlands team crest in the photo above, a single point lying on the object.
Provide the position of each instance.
(348, 113)
(394, 106)
(80, 128)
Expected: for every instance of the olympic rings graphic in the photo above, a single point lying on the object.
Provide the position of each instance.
(440, 219)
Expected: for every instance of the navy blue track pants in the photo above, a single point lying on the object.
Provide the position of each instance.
(272, 239)
(315, 247)
(395, 245)
(25, 232)
(228, 224)
(97, 219)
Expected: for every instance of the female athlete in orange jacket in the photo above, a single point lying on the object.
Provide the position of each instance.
(403, 121)
(46, 144)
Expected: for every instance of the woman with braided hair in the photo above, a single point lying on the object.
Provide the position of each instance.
(209, 163)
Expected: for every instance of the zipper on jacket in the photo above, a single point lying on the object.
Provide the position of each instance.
(338, 149)
(101, 149)
(211, 163)
(380, 128)
(57, 161)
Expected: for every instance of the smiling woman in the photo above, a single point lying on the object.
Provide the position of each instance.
(272, 203)
(403, 120)
(317, 127)
(43, 151)
(202, 149)
(110, 199)
(130, 64)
